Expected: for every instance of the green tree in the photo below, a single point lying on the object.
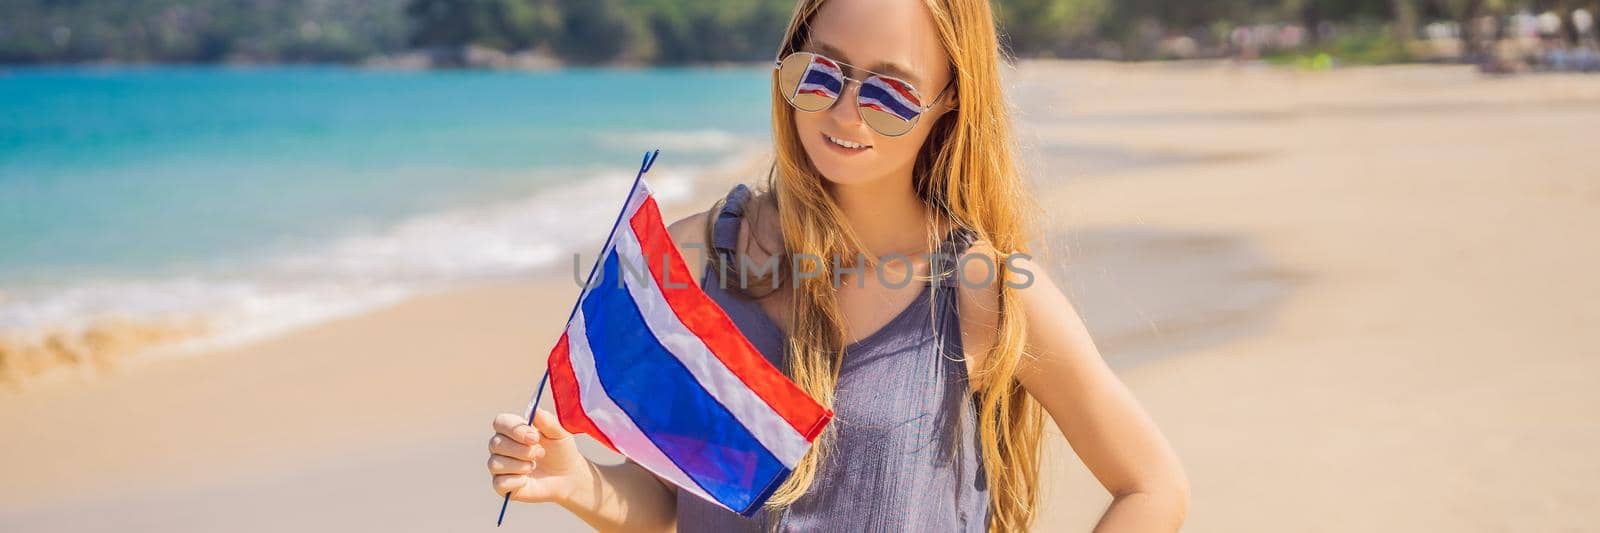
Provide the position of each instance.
(1048, 27)
(594, 31)
(711, 30)
(500, 24)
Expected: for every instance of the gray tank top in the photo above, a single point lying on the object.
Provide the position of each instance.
(905, 449)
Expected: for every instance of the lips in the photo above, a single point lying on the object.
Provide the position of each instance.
(860, 147)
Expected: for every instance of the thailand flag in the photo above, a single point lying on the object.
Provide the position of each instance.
(890, 96)
(822, 78)
(651, 367)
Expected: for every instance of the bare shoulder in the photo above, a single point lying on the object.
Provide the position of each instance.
(978, 297)
(977, 302)
(689, 234)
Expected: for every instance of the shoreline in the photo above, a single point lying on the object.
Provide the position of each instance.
(81, 349)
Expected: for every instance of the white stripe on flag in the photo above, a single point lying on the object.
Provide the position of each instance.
(636, 198)
(753, 413)
(610, 418)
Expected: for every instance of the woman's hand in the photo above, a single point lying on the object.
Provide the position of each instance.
(538, 463)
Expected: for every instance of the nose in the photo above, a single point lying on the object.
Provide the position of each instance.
(844, 109)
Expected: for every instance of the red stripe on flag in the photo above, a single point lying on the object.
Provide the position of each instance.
(879, 107)
(564, 390)
(904, 90)
(706, 320)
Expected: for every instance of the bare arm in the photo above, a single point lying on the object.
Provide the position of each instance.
(623, 497)
(1098, 415)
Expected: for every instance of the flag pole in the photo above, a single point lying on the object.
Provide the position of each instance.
(538, 393)
(532, 405)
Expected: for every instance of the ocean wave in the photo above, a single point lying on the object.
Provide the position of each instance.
(350, 274)
(487, 242)
(96, 324)
(701, 140)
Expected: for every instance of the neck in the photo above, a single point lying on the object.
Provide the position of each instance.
(885, 214)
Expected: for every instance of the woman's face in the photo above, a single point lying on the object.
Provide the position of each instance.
(891, 37)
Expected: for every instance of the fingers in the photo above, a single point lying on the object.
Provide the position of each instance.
(548, 425)
(500, 464)
(516, 428)
(502, 445)
(515, 450)
(509, 483)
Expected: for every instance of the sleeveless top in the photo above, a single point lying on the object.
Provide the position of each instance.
(904, 455)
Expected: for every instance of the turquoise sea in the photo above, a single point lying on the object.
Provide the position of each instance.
(266, 197)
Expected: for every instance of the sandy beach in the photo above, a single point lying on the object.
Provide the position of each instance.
(1358, 300)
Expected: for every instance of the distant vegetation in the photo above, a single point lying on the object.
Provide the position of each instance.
(685, 31)
(203, 31)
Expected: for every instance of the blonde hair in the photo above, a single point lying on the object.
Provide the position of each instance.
(967, 172)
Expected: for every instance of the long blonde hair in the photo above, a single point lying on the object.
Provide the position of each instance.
(967, 172)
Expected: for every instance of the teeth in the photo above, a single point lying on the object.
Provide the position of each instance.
(844, 143)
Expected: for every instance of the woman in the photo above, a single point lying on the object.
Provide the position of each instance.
(894, 157)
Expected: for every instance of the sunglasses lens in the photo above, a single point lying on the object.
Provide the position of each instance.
(810, 82)
(889, 105)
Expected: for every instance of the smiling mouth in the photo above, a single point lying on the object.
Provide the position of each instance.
(844, 144)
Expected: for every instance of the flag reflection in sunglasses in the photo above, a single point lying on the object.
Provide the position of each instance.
(890, 96)
(822, 78)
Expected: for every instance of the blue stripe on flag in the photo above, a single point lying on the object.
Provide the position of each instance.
(684, 421)
(884, 96)
(823, 78)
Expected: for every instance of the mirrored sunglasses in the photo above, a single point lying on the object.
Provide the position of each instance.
(812, 82)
